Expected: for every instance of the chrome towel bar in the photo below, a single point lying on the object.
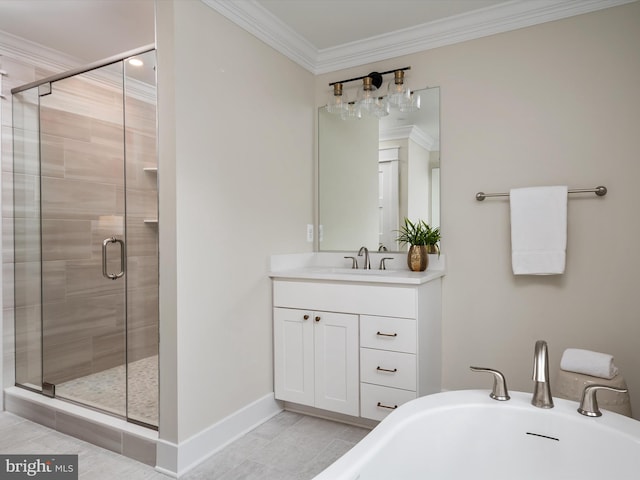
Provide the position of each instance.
(600, 191)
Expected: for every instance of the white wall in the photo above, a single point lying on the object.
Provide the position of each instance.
(236, 170)
(551, 104)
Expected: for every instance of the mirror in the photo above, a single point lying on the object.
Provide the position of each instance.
(372, 173)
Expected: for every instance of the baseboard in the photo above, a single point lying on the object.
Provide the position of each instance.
(333, 416)
(177, 459)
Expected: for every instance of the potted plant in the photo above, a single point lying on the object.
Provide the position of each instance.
(420, 237)
(432, 241)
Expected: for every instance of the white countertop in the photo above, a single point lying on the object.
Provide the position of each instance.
(321, 266)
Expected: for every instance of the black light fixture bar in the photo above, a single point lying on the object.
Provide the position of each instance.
(376, 76)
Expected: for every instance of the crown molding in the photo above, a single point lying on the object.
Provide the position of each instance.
(411, 132)
(258, 21)
(499, 18)
(33, 53)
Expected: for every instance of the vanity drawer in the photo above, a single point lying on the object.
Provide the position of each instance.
(391, 369)
(385, 333)
(377, 402)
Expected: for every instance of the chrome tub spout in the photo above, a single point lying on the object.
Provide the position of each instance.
(542, 389)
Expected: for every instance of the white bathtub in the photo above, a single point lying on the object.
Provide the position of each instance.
(462, 435)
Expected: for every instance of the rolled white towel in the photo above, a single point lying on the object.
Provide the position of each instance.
(588, 363)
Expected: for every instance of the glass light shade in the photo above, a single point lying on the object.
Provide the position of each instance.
(338, 101)
(351, 112)
(367, 97)
(381, 107)
(413, 103)
(397, 94)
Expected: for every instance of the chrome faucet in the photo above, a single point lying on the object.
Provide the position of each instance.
(367, 262)
(589, 402)
(541, 390)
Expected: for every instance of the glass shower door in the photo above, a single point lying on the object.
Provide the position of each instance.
(83, 254)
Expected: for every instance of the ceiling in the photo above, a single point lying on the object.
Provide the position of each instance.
(330, 23)
(82, 30)
(320, 35)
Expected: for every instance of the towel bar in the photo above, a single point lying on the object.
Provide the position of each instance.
(600, 191)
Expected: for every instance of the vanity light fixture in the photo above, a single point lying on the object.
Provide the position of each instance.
(370, 101)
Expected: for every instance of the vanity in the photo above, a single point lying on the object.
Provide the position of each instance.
(355, 342)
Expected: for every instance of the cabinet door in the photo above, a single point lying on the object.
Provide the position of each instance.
(336, 362)
(293, 355)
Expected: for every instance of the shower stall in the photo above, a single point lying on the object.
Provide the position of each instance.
(85, 218)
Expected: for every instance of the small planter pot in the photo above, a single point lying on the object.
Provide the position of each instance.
(417, 258)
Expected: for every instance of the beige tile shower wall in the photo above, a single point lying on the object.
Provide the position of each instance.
(142, 238)
(82, 182)
(84, 200)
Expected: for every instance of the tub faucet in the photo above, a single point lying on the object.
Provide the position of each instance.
(541, 390)
(367, 262)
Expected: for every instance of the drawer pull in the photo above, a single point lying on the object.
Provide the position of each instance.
(306, 317)
(387, 334)
(381, 405)
(317, 319)
(380, 369)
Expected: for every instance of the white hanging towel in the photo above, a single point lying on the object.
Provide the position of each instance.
(538, 230)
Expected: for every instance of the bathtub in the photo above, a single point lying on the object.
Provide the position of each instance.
(464, 434)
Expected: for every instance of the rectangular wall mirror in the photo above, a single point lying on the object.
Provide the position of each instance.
(373, 173)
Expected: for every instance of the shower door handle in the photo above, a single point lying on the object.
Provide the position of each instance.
(107, 241)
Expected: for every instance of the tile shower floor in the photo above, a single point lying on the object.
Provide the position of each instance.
(107, 390)
(287, 447)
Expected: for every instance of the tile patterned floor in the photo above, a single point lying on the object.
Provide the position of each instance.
(107, 390)
(290, 446)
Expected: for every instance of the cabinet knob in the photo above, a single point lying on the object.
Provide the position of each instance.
(306, 317)
(317, 319)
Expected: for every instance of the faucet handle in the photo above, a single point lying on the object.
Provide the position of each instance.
(499, 391)
(383, 266)
(589, 403)
(354, 262)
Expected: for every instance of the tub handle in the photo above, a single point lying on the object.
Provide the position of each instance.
(589, 404)
(382, 405)
(499, 391)
(380, 369)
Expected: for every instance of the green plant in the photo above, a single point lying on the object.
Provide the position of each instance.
(418, 233)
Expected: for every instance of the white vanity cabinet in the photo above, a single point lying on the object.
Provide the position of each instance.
(316, 360)
(374, 347)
